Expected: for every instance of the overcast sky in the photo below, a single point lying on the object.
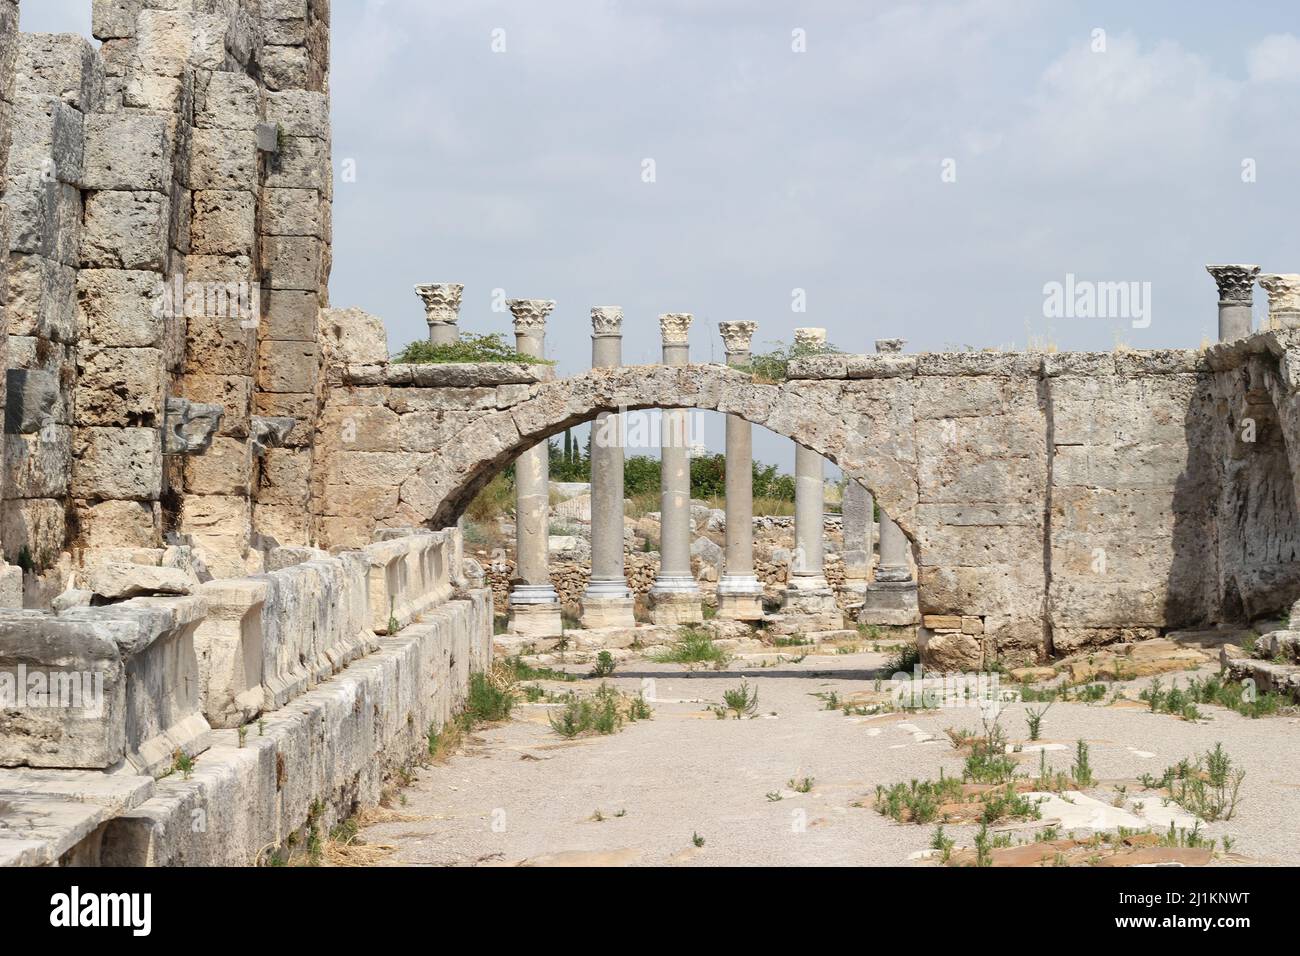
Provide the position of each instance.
(919, 170)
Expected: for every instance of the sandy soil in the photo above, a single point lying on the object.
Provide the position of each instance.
(517, 792)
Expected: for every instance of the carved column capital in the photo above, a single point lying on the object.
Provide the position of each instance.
(530, 314)
(1236, 282)
(607, 320)
(675, 326)
(441, 301)
(809, 340)
(737, 336)
(1283, 291)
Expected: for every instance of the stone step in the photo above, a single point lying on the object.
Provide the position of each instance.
(1210, 638)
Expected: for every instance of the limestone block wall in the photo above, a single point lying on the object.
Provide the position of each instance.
(8, 56)
(173, 191)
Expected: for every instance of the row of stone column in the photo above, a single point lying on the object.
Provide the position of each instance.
(675, 597)
(1236, 284)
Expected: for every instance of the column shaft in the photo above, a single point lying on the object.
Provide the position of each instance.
(809, 516)
(857, 524)
(607, 601)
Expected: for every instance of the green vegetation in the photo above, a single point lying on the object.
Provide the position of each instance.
(1208, 786)
(491, 347)
(741, 701)
(774, 366)
(604, 712)
(694, 647)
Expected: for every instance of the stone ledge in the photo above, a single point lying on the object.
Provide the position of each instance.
(449, 375)
(48, 812)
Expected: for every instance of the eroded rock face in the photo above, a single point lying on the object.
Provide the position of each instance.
(191, 426)
(117, 580)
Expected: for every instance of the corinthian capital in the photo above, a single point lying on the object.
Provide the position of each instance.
(809, 339)
(737, 336)
(1283, 291)
(1236, 282)
(441, 301)
(607, 320)
(675, 327)
(530, 314)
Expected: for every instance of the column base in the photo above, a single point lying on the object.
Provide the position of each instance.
(890, 603)
(536, 621)
(812, 598)
(740, 607)
(671, 603)
(600, 612)
(11, 585)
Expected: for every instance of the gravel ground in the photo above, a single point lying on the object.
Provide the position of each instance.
(517, 792)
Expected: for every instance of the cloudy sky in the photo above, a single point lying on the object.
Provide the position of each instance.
(912, 169)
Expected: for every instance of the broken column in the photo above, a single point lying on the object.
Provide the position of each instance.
(441, 310)
(740, 594)
(858, 509)
(891, 597)
(534, 604)
(1236, 295)
(1283, 299)
(675, 596)
(607, 601)
(807, 591)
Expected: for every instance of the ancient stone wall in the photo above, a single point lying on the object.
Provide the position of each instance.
(1065, 500)
(173, 189)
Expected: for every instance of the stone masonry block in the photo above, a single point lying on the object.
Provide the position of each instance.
(120, 386)
(49, 140)
(299, 112)
(223, 159)
(128, 151)
(292, 262)
(63, 65)
(225, 222)
(301, 163)
(126, 230)
(221, 344)
(114, 19)
(121, 309)
(227, 101)
(118, 463)
(292, 212)
(290, 315)
(42, 298)
(292, 367)
(225, 469)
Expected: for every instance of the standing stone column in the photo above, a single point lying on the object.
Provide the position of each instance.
(675, 597)
(740, 595)
(441, 310)
(858, 511)
(891, 596)
(807, 592)
(1283, 299)
(1236, 295)
(534, 605)
(607, 601)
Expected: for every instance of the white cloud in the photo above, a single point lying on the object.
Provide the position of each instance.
(1275, 59)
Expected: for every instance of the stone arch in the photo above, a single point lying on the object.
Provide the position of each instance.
(816, 414)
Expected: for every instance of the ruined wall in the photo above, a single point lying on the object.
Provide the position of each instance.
(1066, 499)
(174, 243)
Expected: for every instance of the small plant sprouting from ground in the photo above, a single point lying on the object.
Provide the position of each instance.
(604, 666)
(919, 801)
(243, 736)
(1081, 769)
(694, 647)
(943, 843)
(491, 697)
(1034, 717)
(801, 784)
(741, 701)
(696, 839)
(774, 796)
(604, 712)
(905, 660)
(988, 761)
(1209, 786)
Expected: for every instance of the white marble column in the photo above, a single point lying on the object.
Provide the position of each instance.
(740, 595)
(1236, 296)
(534, 604)
(807, 591)
(675, 597)
(607, 601)
(1283, 299)
(441, 310)
(891, 596)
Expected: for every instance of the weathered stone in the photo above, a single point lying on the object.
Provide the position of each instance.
(116, 581)
(190, 427)
(270, 432)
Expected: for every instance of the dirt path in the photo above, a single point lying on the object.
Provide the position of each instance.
(517, 792)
